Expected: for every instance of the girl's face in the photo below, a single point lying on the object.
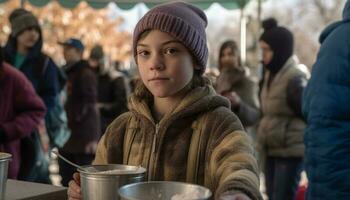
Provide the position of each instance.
(28, 37)
(267, 53)
(229, 58)
(165, 65)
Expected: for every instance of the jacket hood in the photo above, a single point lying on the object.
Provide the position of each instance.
(196, 101)
(236, 74)
(346, 11)
(10, 48)
(332, 27)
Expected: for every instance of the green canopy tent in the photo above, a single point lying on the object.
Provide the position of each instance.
(129, 4)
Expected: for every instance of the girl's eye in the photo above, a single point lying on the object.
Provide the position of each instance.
(171, 51)
(142, 53)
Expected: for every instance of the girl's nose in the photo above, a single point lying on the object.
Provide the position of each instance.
(157, 63)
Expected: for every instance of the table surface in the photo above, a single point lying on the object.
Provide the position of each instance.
(33, 191)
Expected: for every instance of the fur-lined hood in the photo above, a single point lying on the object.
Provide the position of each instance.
(198, 100)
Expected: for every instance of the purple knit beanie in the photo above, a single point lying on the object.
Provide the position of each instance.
(182, 21)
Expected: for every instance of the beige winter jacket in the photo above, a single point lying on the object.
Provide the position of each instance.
(281, 132)
(201, 141)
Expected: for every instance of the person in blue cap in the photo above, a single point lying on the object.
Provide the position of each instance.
(326, 109)
(81, 108)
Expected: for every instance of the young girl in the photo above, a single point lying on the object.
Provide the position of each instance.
(236, 83)
(177, 127)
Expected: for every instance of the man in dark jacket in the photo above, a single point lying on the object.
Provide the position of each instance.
(21, 112)
(81, 107)
(112, 88)
(326, 109)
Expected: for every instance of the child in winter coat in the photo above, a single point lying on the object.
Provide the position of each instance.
(178, 128)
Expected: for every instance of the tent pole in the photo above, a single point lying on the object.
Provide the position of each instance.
(22, 3)
(259, 12)
(243, 32)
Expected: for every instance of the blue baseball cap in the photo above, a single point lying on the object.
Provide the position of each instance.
(73, 42)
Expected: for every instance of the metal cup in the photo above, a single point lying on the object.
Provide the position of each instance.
(97, 185)
(4, 165)
(164, 190)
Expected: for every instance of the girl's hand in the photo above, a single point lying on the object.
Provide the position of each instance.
(234, 99)
(74, 190)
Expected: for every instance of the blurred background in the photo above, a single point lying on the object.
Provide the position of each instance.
(112, 26)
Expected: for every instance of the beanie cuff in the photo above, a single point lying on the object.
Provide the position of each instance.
(23, 22)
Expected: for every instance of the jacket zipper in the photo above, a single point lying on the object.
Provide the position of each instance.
(153, 151)
(155, 139)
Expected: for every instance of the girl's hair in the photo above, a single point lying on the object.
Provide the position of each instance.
(233, 46)
(141, 92)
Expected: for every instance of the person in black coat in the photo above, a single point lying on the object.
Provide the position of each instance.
(81, 107)
(112, 88)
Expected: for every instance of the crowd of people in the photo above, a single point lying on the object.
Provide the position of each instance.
(222, 132)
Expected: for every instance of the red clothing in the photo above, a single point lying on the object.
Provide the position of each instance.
(21, 111)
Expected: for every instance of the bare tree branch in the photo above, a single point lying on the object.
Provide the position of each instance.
(327, 9)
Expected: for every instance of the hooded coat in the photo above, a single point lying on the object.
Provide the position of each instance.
(21, 112)
(113, 90)
(327, 111)
(200, 141)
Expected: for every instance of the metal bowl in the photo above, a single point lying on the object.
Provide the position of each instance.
(98, 183)
(4, 164)
(164, 190)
